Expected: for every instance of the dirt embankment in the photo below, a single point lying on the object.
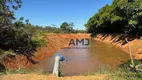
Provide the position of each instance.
(54, 43)
(119, 40)
(57, 41)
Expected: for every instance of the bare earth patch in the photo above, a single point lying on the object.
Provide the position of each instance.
(50, 77)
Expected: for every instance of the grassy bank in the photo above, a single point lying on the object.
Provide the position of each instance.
(121, 73)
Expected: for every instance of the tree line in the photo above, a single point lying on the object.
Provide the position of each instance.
(65, 27)
(122, 16)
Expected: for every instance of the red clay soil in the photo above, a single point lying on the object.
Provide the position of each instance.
(135, 43)
(54, 43)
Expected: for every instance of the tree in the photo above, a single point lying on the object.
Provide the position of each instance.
(123, 16)
(67, 27)
(7, 8)
(27, 21)
(133, 12)
(64, 26)
(14, 34)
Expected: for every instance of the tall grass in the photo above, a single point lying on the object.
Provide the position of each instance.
(23, 71)
(120, 74)
(126, 72)
(123, 72)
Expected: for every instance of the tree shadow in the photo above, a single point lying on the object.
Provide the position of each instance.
(103, 36)
(2, 67)
(29, 58)
(10, 61)
(119, 38)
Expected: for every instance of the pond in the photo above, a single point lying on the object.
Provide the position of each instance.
(96, 56)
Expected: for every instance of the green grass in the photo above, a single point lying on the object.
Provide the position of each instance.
(100, 70)
(23, 71)
(40, 42)
(123, 72)
(120, 74)
(4, 53)
(18, 71)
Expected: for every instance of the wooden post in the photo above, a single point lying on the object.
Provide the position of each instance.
(130, 51)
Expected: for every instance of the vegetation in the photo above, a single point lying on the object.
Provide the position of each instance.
(67, 27)
(16, 36)
(122, 16)
(23, 71)
(126, 72)
(123, 72)
(64, 28)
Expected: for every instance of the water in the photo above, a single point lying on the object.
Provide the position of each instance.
(81, 61)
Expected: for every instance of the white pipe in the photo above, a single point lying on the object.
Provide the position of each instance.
(56, 66)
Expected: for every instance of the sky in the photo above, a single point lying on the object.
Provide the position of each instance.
(49, 12)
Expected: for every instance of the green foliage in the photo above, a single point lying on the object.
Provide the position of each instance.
(40, 40)
(5, 53)
(23, 71)
(125, 72)
(123, 16)
(15, 35)
(54, 29)
(18, 39)
(127, 66)
(66, 27)
(122, 75)
(18, 71)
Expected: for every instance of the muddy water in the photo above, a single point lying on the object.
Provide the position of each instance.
(80, 61)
